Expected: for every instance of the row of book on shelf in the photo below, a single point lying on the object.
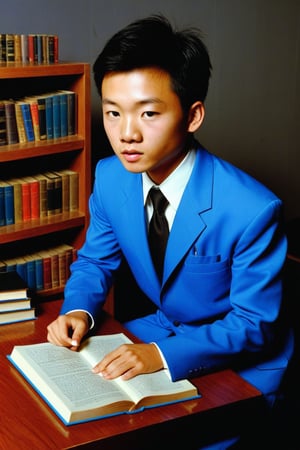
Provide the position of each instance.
(37, 196)
(20, 276)
(29, 48)
(44, 116)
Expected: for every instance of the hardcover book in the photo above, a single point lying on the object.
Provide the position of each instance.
(27, 119)
(11, 123)
(12, 286)
(56, 373)
(3, 128)
(17, 189)
(21, 315)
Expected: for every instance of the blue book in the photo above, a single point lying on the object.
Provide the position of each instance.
(49, 116)
(71, 111)
(30, 272)
(27, 119)
(63, 114)
(39, 277)
(56, 116)
(2, 204)
(21, 268)
(9, 204)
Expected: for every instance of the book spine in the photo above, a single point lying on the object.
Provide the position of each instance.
(63, 115)
(56, 116)
(11, 124)
(42, 117)
(9, 204)
(21, 268)
(49, 116)
(47, 272)
(17, 188)
(30, 44)
(35, 119)
(3, 129)
(72, 113)
(30, 272)
(10, 48)
(54, 269)
(39, 273)
(17, 44)
(74, 191)
(2, 206)
(25, 108)
(26, 207)
(43, 194)
(2, 47)
(34, 199)
(39, 48)
(24, 48)
(20, 124)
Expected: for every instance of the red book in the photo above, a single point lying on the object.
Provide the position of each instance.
(31, 48)
(25, 190)
(46, 262)
(34, 198)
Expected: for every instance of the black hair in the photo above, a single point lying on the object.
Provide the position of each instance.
(152, 42)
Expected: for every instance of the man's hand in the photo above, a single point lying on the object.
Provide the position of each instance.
(68, 330)
(129, 360)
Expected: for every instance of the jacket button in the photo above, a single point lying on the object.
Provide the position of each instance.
(176, 323)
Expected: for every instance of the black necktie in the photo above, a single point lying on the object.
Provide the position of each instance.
(158, 229)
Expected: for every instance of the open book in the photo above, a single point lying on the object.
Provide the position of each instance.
(64, 379)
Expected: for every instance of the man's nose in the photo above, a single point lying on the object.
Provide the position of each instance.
(130, 131)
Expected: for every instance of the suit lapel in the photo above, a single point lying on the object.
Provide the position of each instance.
(189, 222)
(132, 217)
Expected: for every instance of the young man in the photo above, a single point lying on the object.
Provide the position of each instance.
(219, 297)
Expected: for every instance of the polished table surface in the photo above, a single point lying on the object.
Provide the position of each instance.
(27, 423)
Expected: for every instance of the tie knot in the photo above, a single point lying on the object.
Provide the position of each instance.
(158, 199)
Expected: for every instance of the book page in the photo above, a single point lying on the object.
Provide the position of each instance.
(142, 386)
(65, 378)
(152, 388)
(96, 347)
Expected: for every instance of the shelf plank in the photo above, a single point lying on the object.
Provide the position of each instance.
(42, 226)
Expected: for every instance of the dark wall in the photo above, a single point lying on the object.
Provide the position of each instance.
(252, 109)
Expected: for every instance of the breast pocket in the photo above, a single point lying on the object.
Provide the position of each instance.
(208, 276)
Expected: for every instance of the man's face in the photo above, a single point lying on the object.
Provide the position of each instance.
(144, 121)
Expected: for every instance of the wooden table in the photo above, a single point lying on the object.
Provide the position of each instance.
(27, 423)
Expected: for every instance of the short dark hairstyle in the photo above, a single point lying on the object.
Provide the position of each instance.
(152, 42)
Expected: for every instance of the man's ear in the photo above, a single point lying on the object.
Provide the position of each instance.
(196, 116)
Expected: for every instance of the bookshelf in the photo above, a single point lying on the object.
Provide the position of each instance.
(70, 152)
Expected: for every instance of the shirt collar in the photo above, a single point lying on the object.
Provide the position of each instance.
(173, 186)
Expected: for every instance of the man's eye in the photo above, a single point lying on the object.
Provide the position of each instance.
(150, 113)
(112, 113)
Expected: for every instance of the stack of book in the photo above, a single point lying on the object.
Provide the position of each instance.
(15, 304)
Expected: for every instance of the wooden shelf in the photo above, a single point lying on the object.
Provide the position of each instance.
(71, 152)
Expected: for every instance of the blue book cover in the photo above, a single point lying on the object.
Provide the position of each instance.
(49, 116)
(63, 114)
(21, 269)
(9, 204)
(39, 277)
(30, 272)
(56, 116)
(27, 119)
(2, 205)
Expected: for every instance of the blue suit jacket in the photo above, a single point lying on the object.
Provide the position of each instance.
(221, 279)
